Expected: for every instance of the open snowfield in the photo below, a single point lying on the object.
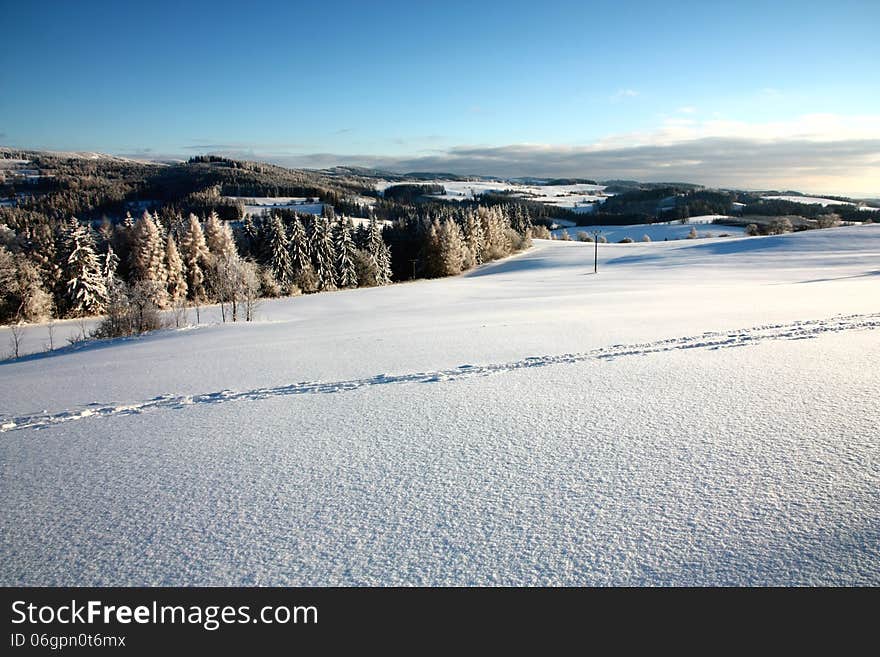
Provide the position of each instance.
(260, 204)
(580, 196)
(673, 230)
(818, 200)
(699, 412)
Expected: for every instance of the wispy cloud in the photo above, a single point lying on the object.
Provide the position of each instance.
(687, 109)
(622, 94)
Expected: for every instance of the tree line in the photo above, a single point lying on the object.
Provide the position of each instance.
(131, 269)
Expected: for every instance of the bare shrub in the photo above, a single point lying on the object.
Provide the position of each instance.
(16, 335)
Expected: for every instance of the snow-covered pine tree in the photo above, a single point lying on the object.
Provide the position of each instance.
(177, 287)
(196, 258)
(473, 233)
(148, 259)
(300, 255)
(250, 238)
(346, 273)
(278, 256)
(109, 266)
(218, 237)
(380, 253)
(451, 248)
(323, 253)
(433, 264)
(86, 291)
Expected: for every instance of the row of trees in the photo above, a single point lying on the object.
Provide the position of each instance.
(130, 270)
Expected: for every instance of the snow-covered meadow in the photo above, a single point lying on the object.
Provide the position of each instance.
(260, 204)
(670, 230)
(579, 197)
(699, 412)
(818, 200)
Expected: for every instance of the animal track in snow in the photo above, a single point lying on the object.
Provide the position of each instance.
(718, 340)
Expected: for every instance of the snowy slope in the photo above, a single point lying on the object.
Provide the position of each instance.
(658, 231)
(698, 413)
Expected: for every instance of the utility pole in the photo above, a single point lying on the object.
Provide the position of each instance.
(596, 234)
(414, 261)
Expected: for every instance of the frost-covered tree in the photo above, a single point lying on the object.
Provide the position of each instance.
(250, 238)
(444, 249)
(346, 274)
(196, 259)
(177, 287)
(300, 255)
(22, 297)
(323, 253)
(109, 265)
(380, 253)
(147, 258)
(218, 237)
(86, 291)
(278, 253)
(473, 235)
(496, 242)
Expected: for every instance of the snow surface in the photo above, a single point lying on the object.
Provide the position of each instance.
(579, 197)
(258, 205)
(699, 412)
(658, 231)
(809, 200)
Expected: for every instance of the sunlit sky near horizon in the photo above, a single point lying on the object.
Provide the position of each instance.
(782, 95)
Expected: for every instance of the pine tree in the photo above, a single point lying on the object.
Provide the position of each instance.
(279, 253)
(250, 238)
(380, 253)
(109, 266)
(346, 274)
(218, 237)
(323, 253)
(473, 232)
(451, 248)
(148, 259)
(86, 291)
(300, 256)
(177, 287)
(196, 258)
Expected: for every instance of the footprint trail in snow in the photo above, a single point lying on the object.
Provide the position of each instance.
(718, 340)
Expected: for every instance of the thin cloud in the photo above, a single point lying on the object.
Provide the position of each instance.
(622, 94)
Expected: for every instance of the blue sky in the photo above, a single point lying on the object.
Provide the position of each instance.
(568, 88)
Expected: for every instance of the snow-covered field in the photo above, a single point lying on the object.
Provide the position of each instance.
(260, 204)
(578, 197)
(699, 412)
(818, 200)
(657, 232)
